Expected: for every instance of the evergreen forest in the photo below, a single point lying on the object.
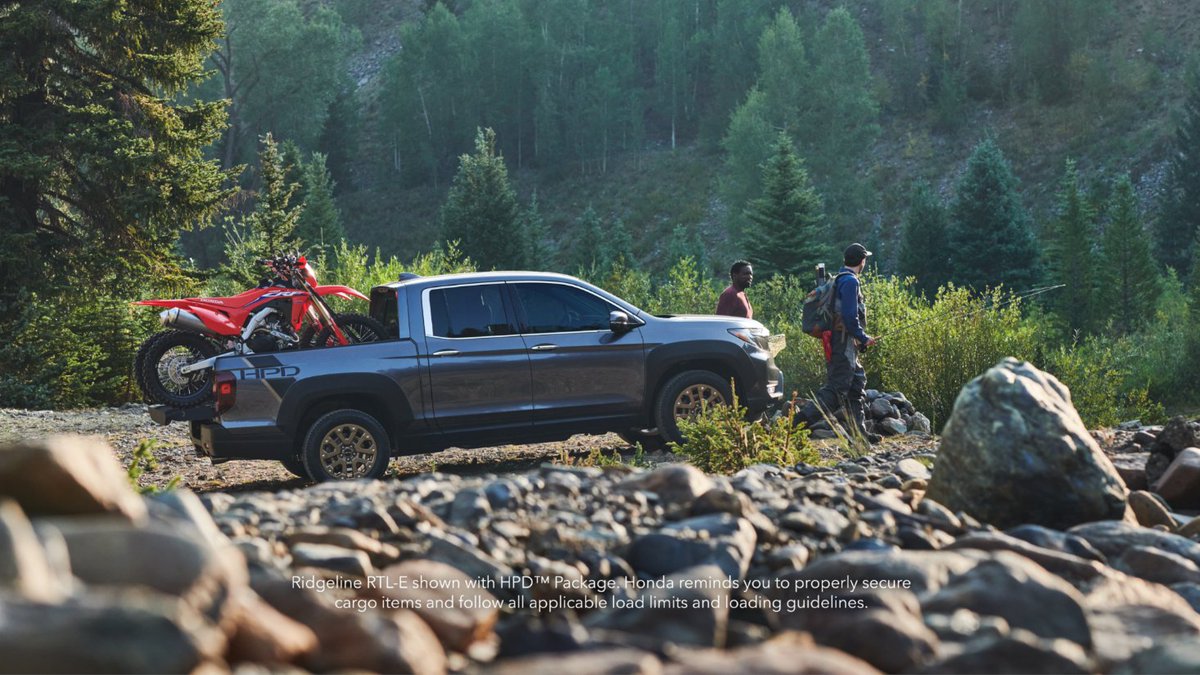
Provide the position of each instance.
(981, 148)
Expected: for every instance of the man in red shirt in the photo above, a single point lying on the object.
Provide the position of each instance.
(733, 301)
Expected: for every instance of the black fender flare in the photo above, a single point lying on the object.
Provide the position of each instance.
(383, 392)
(718, 356)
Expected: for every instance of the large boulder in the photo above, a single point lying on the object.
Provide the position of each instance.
(1015, 451)
(67, 475)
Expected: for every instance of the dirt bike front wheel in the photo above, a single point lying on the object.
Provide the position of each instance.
(162, 369)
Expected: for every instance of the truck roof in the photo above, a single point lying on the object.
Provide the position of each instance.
(481, 276)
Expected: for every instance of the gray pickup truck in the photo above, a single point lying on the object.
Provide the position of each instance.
(476, 360)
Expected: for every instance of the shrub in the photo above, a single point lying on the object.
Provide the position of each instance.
(1092, 370)
(930, 350)
(721, 440)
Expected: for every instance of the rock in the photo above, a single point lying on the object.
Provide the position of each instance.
(889, 633)
(343, 537)
(1143, 437)
(717, 500)
(1178, 433)
(346, 561)
(1190, 529)
(1180, 483)
(1112, 538)
(115, 633)
(920, 423)
(891, 427)
(781, 655)
(718, 539)
(1132, 468)
(501, 494)
(469, 507)
(1170, 656)
(1018, 652)
(674, 483)
(679, 615)
(1158, 566)
(1071, 568)
(1022, 593)
(591, 662)
(1129, 615)
(1190, 593)
(820, 520)
(1015, 451)
(110, 551)
(67, 475)
(263, 635)
(1149, 511)
(911, 469)
(472, 562)
(470, 612)
(24, 569)
(1057, 541)
(398, 641)
(926, 571)
(881, 408)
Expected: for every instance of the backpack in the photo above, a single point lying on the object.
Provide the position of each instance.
(816, 315)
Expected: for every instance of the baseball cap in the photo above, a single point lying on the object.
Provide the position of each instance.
(855, 253)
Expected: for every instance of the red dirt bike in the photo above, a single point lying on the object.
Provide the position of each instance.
(174, 367)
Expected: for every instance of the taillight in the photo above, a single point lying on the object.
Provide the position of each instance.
(224, 391)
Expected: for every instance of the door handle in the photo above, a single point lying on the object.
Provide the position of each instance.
(446, 352)
(544, 348)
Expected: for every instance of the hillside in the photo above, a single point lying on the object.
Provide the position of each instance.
(1129, 129)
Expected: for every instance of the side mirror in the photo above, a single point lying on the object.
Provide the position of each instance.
(620, 322)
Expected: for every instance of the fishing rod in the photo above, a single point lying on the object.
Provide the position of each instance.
(951, 315)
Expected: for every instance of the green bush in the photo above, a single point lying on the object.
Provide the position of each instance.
(929, 350)
(1093, 371)
(721, 440)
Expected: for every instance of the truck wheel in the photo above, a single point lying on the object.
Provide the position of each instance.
(684, 395)
(295, 466)
(345, 444)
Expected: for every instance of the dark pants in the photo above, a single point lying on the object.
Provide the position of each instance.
(845, 381)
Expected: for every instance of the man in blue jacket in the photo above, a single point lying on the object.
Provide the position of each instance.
(845, 379)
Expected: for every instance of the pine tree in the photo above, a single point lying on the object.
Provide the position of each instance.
(1130, 284)
(786, 235)
(102, 162)
(589, 239)
(539, 250)
(273, 222)
(481, 210)
(1070, 259)
(617, 247)
(685, 243)
(923, 246)
(270, 229)
(990, 238)
(1180, 219)
(320, 224)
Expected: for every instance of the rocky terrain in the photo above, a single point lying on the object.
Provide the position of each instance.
(1016, 544)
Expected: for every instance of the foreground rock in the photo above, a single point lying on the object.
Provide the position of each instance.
(1014, 451)
(852, 568)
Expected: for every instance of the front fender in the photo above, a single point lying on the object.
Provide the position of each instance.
(340, 291)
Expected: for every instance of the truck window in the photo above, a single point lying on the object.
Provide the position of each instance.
(558, 308)
(469, 311)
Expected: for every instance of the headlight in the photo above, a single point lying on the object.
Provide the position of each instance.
(752, 336)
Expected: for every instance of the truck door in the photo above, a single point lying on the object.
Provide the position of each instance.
(478, 365)
(581, 368)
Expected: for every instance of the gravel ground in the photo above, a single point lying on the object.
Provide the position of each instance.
(126, 426)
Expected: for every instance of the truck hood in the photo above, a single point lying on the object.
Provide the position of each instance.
(727, 321)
